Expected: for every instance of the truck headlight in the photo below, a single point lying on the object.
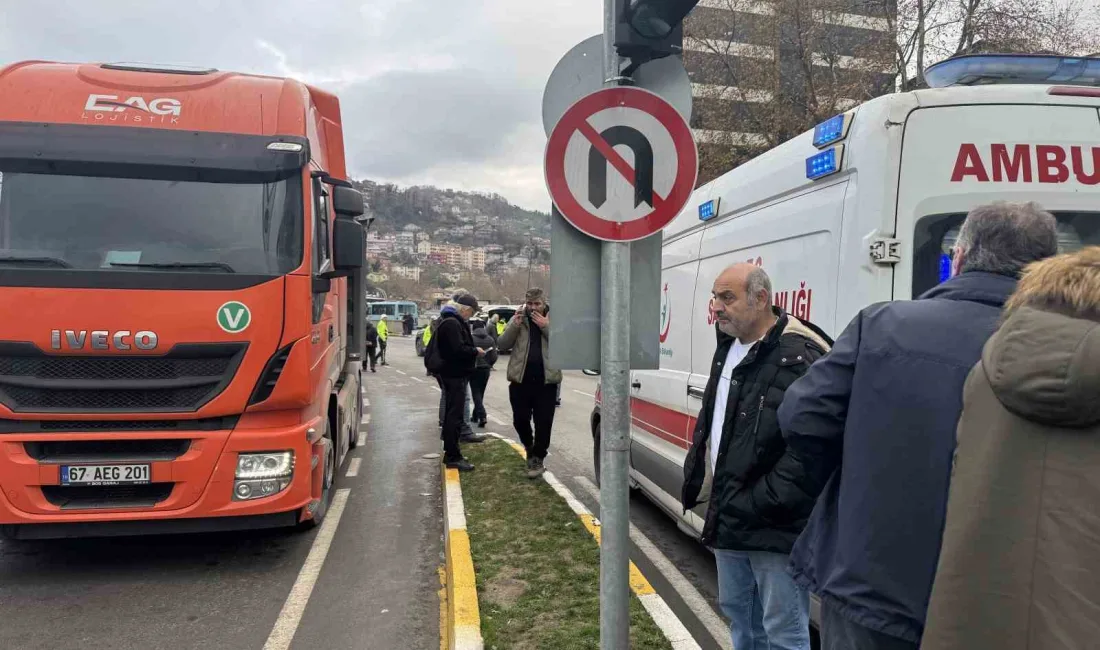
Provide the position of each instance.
(262, 474)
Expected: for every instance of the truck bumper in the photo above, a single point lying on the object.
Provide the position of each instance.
(192, 476)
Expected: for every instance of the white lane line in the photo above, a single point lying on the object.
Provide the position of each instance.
(683, 587)
(584, 393)
(366, 419)
(438, 389)
(353, 467)
(497, 420)
(291, 614)
(417, 379)
(366, 402)
(401, 372)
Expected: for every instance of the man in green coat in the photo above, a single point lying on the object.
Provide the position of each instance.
(533, 383)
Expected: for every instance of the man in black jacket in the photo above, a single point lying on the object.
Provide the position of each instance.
(754, 514)
(452, 357)
(873, 424)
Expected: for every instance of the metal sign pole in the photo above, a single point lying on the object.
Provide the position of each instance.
(615, 409)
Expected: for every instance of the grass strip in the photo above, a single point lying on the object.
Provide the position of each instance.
(538, 569)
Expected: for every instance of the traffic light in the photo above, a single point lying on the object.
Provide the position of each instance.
(651, 29)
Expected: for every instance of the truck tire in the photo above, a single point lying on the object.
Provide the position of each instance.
(328, 483)
(353, 439)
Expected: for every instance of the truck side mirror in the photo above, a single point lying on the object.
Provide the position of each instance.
(347, 202)
(349, 248)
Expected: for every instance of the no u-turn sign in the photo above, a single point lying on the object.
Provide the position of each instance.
(621, 163)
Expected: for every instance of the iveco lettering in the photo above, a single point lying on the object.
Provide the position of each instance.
(102, 340)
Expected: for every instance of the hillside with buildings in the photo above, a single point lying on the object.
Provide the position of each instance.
(425, 241)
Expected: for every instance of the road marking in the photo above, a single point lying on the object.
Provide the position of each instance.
(438, 388)
(497, 420)
(353, 467)
(401, 372)
(464, 615)
(291, 614)
(694, 600)
(417, 379)
(366, 402)
(584, 393)
(366, 419)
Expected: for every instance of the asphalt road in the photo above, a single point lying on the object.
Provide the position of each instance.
(367, 579)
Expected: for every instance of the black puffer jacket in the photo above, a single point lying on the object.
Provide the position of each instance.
(750, 507)
(485, 341)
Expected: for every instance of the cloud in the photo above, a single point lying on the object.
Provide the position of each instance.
(433, 91)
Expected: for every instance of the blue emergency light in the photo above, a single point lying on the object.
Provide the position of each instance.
(708, 210)
(824, 163)
(978, 69)
(831, 130)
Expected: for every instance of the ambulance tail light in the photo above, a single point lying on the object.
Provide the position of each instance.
(1074, 91)
(825, 163)
(832, 130)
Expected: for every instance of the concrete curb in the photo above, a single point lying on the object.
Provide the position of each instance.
(671, 626)
(463, 616)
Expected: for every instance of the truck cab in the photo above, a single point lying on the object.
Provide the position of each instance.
(182, 249)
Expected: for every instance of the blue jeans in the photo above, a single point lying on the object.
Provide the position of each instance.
(766, 607)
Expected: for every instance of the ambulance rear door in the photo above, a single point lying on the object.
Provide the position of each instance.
(957, 157)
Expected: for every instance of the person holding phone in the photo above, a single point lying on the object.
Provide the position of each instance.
(532, 388)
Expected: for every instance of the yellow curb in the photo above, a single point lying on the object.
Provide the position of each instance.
(463, 618)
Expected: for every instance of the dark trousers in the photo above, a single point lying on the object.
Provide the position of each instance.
(478, 381)
(382, 351)
(535, 400)
(454, 397)
(839, 633)
(372, 354)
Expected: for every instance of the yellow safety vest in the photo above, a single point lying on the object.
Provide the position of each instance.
(383, 330)
(501, 326)
(427, 336)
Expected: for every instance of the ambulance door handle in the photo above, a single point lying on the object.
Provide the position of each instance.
(697, 393)
(637, 385)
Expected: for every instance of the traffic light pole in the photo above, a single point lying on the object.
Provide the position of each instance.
(615, 408)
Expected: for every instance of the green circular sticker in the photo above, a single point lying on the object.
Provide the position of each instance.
(234, 317)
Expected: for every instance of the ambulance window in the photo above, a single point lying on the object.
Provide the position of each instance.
(935, 237)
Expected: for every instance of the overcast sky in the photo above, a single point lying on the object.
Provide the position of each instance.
(442, 92)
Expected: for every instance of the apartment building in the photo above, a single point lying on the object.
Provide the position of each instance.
(763, 71)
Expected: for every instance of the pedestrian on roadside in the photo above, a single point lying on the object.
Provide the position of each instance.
(491, 326)
(383, 336)
(407, 321)
(755, 507)
(371, 335)
(873, 424)
(480, 379)
(532, 381)
(450, 357)
(1019, 568)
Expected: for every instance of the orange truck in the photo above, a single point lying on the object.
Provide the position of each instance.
(181, 301)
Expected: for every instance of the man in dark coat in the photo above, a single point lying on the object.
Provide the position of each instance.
(451, 356)
(371, 335)
(755, 508)
(873, 423)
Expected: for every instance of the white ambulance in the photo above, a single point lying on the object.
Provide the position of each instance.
(862, 209)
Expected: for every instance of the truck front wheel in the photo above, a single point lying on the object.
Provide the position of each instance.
(328, 480)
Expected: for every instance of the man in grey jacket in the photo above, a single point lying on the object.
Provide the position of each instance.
(532, 388)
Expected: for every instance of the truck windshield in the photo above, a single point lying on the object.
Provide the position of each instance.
(149, 225)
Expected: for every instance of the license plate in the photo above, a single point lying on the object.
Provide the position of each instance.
(104, 474)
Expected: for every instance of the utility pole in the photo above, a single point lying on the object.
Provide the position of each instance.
(615, 404)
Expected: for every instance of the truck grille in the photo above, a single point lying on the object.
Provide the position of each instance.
(92, 497)
(184, 379)
(113, 451)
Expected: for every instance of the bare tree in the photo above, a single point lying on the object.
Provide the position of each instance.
(767, 70)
